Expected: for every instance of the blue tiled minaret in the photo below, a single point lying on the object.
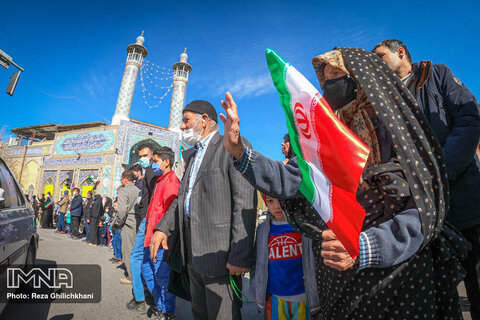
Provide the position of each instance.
(181, 70)
(136, 52)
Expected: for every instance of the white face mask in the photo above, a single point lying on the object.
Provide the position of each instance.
(190, 137)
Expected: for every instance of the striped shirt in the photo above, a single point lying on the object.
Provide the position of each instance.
(197, 161)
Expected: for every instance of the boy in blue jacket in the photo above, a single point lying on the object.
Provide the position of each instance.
(283, 276)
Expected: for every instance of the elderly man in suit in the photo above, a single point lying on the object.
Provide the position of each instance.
(213, 219)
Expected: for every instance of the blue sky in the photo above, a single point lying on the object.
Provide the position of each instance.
(74, 52)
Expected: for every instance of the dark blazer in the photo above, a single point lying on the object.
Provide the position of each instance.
(222, 215)
(188, 155)
(148, 185)
(76, 208)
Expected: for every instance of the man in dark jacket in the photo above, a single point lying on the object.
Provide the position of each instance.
(453, 114)
(76, 211)
(147, 181)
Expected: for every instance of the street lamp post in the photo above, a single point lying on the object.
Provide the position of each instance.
(6, 61)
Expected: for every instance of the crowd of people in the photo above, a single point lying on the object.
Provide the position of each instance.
(69, 213)
(195, 236)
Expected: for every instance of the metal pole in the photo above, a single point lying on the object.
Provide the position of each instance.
(23, 158)
(23, 163)
(17, 66)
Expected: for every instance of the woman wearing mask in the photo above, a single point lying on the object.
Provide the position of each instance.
(407, 267)
(87, 207)
(95, 213)
(47, 217)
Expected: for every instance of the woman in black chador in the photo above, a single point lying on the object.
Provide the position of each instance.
(408, 265)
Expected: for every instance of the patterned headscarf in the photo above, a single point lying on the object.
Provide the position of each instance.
(333, 58)
(418, 169)
(355, 114)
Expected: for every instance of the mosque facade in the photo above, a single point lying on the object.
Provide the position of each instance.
(92, 156)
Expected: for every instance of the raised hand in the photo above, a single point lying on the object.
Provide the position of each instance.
(231, 138)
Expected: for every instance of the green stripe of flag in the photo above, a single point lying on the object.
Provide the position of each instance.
(278, 70)
(94, 179)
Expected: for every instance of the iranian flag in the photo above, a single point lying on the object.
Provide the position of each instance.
(94, 179)
(329, 155)
(48, 203)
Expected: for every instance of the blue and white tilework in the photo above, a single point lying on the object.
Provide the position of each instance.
(106, 180)
(116, 183)
(73, 161)
(96, 141)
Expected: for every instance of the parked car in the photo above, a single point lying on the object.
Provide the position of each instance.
(18, 230)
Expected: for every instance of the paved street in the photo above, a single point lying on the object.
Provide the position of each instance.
(57, 248)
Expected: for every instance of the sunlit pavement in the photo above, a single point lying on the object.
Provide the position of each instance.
(59, 249)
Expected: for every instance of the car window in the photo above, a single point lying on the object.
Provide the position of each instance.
(12, 197)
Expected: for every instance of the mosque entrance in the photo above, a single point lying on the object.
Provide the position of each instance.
(134, 150)
(48, 186)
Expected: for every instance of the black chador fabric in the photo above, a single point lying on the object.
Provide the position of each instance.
(414, 176)
(95, 214)
(47, 215)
